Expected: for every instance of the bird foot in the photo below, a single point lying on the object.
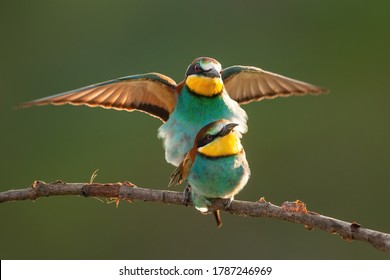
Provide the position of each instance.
(187, 195)
(228, 203)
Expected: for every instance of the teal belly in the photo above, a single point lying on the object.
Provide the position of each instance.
(190, 115)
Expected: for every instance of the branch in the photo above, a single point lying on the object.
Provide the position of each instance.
(295, 212)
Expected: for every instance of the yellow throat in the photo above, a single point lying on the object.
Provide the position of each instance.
(204, 85)
(223, 146)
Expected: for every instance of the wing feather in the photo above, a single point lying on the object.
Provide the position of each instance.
(246, 84)
(181, 172)
(152, 93)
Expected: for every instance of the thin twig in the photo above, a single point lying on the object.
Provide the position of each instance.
(290, 211)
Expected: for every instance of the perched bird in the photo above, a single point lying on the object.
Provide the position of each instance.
(215, 167)
(207, 94)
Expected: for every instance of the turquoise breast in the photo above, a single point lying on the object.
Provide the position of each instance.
(218, 177)
(192, 112)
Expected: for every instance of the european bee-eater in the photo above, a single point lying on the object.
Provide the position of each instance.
(207, 94)
(215, 167)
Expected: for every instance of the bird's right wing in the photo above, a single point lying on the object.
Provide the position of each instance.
(151, 93)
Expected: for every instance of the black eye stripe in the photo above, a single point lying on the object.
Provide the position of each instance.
(205, 140)
(194, 69)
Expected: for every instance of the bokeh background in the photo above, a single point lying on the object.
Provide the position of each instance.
(331, 151)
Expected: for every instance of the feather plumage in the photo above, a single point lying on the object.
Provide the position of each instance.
(246, 84)
(151, 93)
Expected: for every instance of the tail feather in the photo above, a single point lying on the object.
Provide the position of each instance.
(176, 177)
(217, 216)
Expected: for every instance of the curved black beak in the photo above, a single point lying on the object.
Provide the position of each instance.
(227, 129)
(212, 73)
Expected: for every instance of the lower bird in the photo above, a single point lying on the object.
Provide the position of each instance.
(215, 167)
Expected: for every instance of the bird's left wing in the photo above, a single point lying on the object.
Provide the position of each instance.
(247, 83)
(151, 93)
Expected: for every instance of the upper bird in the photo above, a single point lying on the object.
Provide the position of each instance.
(208, 93)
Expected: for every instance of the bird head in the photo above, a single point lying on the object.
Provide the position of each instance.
(203, 76)
(219, 139)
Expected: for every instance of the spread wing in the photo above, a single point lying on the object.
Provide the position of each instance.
(246, 84)
(151, 93)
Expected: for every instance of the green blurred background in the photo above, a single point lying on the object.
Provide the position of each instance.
(331, 151)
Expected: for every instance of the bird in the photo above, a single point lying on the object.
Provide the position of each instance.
(207, 93)
(215, 167)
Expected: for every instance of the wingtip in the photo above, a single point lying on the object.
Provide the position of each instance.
(325, 90)
(319, 90)
(24, 105)
(37, 102)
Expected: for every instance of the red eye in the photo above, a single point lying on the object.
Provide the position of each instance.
(197, 68)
